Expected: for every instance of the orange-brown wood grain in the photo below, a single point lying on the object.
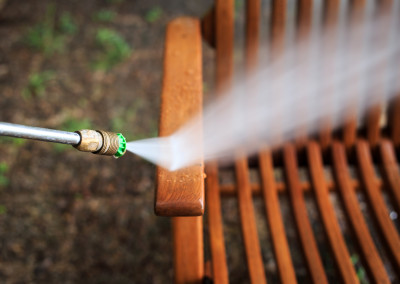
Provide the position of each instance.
(248, 223)
(375, 199)
(330, 20)
(375, 112)
(357, 13)
(181, 193)
(278, 26)
(373, 263)
(224, 43)
(304, 18)
(304, 25)
(253, 10)
(331, 12)
(327, 212)
(391, 170)
(307, 240)
(215, 225)
(287, 274)
(188, 250)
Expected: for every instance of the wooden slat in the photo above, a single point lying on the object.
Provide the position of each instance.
(374, 114)
(224, 43)
(330, 18)
(248, 223)
(327, 212)
(278, 24)
(304, 18)
(304, 26)
(215, 225)
(350, 127)
(223, 25)
(253, 10)
(391, 170)
(373, 124)
(249, 228)
(275, 222)
(376, 270)
(394, 106)
(181, 193)
(377, 203)
(188, 250)
(307, 239)
(331, 13)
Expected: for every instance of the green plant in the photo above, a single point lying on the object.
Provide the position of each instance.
(3, 170)
(37, 84)
(361, 273)
(17, 142)
(113, 47)
(153, 14)
(78, 196)
(3, 209)
(239, 4)
(48, 36)
(67, 24)
(43, 36)
(74, 124)
(104, 16)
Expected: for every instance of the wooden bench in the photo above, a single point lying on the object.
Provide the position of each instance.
(180, 194)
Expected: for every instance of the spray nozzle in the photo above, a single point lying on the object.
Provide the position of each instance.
(102, 142)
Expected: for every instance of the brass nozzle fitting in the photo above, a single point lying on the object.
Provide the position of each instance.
(98, 142)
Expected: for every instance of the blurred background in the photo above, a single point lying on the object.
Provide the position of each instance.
(68, 216)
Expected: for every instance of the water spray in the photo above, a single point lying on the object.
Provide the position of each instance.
(98, 142)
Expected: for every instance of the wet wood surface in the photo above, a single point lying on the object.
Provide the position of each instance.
(181, 192)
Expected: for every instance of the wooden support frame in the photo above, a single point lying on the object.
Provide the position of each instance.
(181, 193)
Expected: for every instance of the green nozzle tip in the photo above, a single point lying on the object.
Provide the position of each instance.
(122, 146)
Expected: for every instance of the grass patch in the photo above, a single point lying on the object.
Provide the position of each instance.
(4, 181)
(361, 273)
(49, 35)
(17, 142)
(74, 124)
(67, 24)
(104, 16)
(114, 49)
(3, 209)
(153, 14)
(37, 84)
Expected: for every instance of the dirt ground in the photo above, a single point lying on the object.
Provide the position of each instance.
(67, 216)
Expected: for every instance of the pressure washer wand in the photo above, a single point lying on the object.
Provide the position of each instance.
(95, 141)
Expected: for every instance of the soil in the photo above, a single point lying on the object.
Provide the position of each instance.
(67, 216)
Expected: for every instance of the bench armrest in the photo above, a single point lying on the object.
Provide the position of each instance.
(181, 192)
